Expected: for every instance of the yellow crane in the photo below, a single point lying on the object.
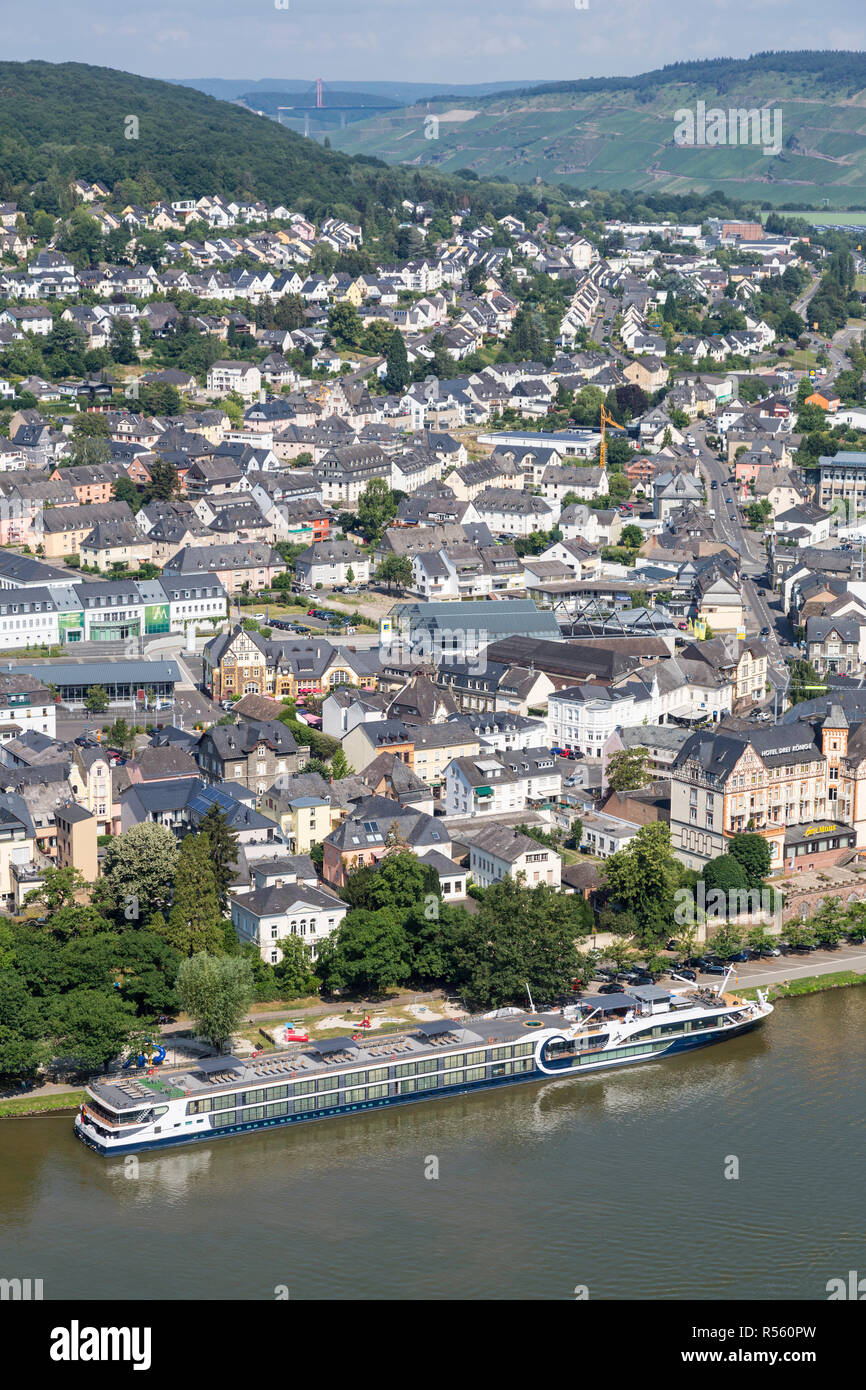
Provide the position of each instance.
(607, 420)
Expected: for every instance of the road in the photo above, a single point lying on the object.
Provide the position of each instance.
(761, 609)
(799, 305)
(608, 308)
(797, 967)
(729, 528)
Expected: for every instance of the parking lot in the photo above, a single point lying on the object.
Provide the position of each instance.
(791, 965)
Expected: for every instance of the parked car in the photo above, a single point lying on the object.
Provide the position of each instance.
(684, 972)
(741, 955)
(672, 944)
(716, 969)
(612, 989)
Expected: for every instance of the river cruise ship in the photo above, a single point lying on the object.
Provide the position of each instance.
(340, 1076)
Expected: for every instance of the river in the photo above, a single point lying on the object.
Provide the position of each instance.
(613, 1184)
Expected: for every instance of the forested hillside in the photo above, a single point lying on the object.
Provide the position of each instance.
(70, 120)
(618, 132)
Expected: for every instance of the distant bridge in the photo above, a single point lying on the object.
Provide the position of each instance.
(313, 99)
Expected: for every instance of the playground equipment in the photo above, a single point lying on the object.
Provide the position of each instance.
(157, 1056)
(294, 1032)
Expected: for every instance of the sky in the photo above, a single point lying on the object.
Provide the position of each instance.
(417, 40)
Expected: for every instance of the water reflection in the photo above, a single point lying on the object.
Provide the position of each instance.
(548, 1166)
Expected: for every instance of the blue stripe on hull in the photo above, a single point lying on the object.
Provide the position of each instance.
(680, 1045)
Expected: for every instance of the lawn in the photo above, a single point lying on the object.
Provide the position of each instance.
(35, 1104)
(811, 984)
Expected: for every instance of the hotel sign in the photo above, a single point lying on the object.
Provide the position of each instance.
(820, 830)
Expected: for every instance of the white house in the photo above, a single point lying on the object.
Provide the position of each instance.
(497, 852)
(496, 784)
(242, 377)
(283, 904)
(604, 835)
(582, 717)
(329, 563)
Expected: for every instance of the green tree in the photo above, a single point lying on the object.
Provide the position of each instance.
(395, 569)
(121, 342)
(632, 536)
(138, 871)
(90, 1026)
(753, 852)
(164, 482)
(377, 506)
(643, 877)
(368, 954)
(725, 873)
(340, 766)
(89, 451)
(96, 700)
(119, 735)
(628, 769)
(294, 974)
(223, 851)
(759, 939)
(124, 490)
(345, 325)
(398, 374)
(88, 426)
(148, 968)
(520, 936)
(399, 881)
(727, 941)
(193, 923)
(806, 684)
(216, 992)
(59, 887)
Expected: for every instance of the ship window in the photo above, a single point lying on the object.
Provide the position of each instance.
(305, 1102)
(476, 1073)
(303, 1088)
(227, 1117)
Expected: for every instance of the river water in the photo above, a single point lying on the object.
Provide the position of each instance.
(615, 1184)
